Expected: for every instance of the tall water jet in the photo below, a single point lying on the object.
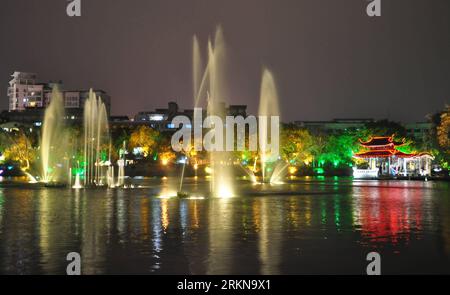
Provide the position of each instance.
(96, 140)
(268, 107)
(211, 85)
(121, 168)
(110, 177)
(197, 69)
(77, 184)
(121, 173)
(222, 176)
(53, 141)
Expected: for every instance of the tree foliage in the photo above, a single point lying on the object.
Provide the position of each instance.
(20, 149)
(443, 130)
(145, 138)
(297, 145)
(339, 149)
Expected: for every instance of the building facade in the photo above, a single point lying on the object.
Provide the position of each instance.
(161, 119)
(419, 130)
(334, 126)
(24, 92)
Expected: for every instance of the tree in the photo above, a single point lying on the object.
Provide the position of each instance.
(318, 147)
(4, 142)
(144, 138)
(167, 156)
(164, 149)
(383, 128)
(119, 136)
(296, 145)
(442, 140)
(20, 150)
(443, 130)
(339, 149)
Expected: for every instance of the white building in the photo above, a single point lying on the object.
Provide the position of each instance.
(24, 92)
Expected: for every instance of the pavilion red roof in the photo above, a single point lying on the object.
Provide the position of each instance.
(381, 141)
(388, 153)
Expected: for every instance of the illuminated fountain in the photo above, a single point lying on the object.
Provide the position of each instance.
(212, 87)
(210, 84)
(77, 184)
(121, 173)
(96, 139)
(209, 88)
(55, 161)
(56, 169)
(54, 141)
(31, 178)
(110, 177)
(271, 169)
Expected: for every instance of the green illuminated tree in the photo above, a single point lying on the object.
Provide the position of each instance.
(339, 149)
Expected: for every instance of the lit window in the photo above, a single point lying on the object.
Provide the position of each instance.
(156, 117)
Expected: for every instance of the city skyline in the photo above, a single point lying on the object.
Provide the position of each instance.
(38, 95)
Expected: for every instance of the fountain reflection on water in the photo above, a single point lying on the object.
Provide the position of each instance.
(281, 235)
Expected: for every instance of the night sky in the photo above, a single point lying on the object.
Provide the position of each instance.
(329, 58)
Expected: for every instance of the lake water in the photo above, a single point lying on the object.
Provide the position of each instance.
(308, 226)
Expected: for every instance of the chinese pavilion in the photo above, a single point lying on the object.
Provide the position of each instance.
(384, 158)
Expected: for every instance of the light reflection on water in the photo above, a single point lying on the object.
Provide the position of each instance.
(328, 227)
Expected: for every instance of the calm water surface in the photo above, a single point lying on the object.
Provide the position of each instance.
(304, 227)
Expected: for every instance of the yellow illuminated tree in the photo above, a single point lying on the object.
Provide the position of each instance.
(296, 145)
(144, 138)
(443, 130)
(20, 150)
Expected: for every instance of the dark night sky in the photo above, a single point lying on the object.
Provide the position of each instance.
(329, 58)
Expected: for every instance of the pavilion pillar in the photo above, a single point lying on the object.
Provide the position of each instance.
(428, 166)
(417, 163)
(405, 172)
(420, 166)
(389, 167)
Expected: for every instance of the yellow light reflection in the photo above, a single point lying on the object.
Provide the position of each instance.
(165, 214)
